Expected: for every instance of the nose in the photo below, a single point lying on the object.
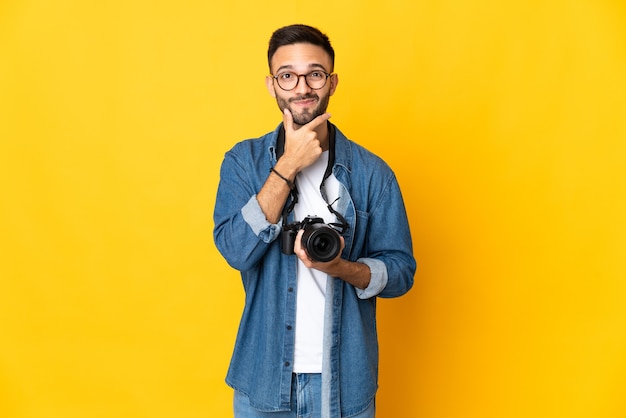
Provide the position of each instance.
(302, 86)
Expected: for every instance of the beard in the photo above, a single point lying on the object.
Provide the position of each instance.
(306, 115)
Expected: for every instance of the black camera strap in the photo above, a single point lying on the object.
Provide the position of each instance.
(288, 208)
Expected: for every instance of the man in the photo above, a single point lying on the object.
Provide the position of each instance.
(307, 342)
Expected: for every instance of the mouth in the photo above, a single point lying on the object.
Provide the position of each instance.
(304, 101)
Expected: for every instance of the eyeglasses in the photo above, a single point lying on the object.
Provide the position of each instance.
(289, 80)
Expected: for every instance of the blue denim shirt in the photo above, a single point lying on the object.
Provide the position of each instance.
(379, 236)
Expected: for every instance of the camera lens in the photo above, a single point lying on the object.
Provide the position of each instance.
(321, 242)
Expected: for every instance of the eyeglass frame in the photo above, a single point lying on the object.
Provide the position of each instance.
(328, 75)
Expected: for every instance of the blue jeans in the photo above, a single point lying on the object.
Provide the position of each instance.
(306, 401)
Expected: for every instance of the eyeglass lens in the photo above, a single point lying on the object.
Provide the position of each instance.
(289, 80)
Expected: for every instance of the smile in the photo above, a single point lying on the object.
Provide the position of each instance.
(303, 101)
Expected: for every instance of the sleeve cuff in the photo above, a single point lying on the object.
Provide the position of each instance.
(255, 218)
(378, 278)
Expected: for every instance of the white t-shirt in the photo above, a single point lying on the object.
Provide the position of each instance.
(312, 283)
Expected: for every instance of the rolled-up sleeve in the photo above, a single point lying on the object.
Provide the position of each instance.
(255, 218)
(378, 278)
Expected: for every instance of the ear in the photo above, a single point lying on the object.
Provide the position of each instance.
(269, 83)
(334, 80)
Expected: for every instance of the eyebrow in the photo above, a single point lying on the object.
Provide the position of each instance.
(290, 67)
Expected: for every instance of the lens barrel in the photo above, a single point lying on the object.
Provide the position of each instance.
(321, 242)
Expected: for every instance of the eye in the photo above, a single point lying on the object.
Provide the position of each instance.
(316, 74)
(286, 76)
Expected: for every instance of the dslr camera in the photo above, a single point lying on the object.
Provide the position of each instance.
(320, 241)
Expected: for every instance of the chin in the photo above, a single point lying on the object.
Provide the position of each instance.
(305, 117)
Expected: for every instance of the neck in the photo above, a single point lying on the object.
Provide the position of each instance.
(322, 135)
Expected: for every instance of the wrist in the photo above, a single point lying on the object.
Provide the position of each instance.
(287, 168)
(290, 183)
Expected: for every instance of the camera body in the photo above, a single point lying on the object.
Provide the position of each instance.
(320, 241)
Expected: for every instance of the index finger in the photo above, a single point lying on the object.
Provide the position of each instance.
(318, 121)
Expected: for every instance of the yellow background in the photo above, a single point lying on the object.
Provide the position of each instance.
(504, 121)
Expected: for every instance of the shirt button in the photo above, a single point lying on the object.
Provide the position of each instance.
(287, 364)
(289, 327)
(290, 289)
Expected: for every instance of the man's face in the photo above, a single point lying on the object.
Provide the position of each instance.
(304, 103)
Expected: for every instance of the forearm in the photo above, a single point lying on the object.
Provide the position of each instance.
(274, 193)
(355, 273)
